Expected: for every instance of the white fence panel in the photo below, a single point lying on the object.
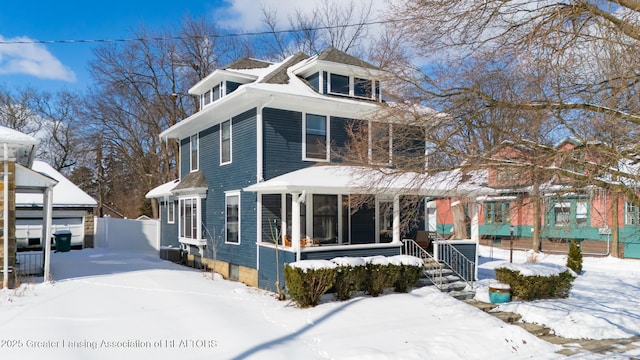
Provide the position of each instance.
(127, 234)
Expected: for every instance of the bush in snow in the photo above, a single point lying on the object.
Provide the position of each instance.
(574, 258)
(532, 281)
(308, 280)
(379, 275)
(408, 269)
(350, 272)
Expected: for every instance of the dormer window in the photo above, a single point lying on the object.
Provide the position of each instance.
(212, 95)
(338, 84)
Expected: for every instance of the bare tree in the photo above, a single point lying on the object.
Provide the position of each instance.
(140, 91)
(342, 25)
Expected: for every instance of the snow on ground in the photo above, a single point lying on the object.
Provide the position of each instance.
(105, 304)
(604, 302)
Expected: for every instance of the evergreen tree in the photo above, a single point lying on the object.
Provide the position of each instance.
(574, 258)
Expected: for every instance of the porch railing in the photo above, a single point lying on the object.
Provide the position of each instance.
(456, 261)
(432, 266)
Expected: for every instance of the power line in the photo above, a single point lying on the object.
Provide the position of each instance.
(212, 36)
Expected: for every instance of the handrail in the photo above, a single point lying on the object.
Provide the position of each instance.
(412, 248)
(456, 261)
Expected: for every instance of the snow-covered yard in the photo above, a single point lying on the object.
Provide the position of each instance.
(105, 305)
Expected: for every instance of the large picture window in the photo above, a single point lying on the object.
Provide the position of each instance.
(189, 218)
(315, 137)
(325, 219)
(225, 142)
(232, 217)
(194, 146)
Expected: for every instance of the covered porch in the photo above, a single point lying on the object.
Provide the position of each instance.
(310, 213)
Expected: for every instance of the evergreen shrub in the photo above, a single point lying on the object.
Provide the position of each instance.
(536, 287)
(305, 286)
(574, 258)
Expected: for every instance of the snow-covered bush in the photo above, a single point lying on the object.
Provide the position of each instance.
(409, 271)
(350, 273)
(531, 281)
(379, 275)
(308, 280)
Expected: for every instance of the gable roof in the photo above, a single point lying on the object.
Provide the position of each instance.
(247, 63)
(65, 193)
(334, 55)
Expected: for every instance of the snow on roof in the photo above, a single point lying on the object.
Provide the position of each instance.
(162, 190)
(11, 136)
(357, 179)
(65, 193)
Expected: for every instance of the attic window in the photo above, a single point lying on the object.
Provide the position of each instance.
(338, 84)
(362, 88)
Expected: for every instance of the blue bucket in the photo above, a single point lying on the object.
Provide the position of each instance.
(498, 295)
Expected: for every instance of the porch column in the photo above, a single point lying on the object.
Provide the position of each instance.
(396, 220)
(295, 224)
(47, 209)
(475, 232)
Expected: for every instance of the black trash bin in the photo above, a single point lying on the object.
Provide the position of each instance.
(63, 240)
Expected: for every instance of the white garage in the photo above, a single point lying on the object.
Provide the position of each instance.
(72, 208)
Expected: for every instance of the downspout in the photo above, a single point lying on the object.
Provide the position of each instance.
(5, 230)
(47, 207)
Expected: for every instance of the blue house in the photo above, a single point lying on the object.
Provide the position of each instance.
(262, 182)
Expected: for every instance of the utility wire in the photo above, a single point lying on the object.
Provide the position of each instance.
(212, 36)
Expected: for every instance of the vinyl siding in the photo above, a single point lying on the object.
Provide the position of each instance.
(233, 176)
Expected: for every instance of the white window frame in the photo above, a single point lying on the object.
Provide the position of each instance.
(227, 195)
(327, 138)
(631, 213)
(194, 239)
(378, 214)
(230, 142)
(171, 212)
(192, 150)
(351, 92)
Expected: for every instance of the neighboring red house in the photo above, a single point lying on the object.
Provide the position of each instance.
(568, 210)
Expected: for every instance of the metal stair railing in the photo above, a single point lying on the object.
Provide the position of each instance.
(456, 261)
(412, 248)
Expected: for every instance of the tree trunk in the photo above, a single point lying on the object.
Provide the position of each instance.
(459, 221)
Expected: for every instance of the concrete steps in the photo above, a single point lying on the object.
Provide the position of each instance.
(445, 280)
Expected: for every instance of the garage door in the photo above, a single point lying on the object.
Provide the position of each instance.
(29, 231)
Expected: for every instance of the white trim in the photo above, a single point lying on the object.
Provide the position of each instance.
(327, 138)
(228, 194)
(197, 239)
(230, 142)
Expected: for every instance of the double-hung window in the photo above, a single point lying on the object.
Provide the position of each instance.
(232, 217)
(225, 142)
(497, 213)
(380, 143)
(316, 136)
(562, 214)
(189, 218)
(194, 147)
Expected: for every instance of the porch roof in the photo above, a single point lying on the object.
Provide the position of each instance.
(362, 180)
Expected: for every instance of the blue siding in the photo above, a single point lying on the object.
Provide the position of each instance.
(271, 216)
(240, 173)
(282, 142)
(363, 226)
(168, 232)
(268, 268)
(314, 81)
(184, 157)
(329, 253)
